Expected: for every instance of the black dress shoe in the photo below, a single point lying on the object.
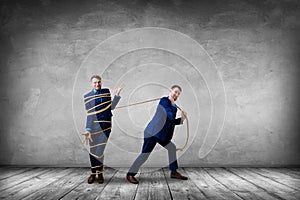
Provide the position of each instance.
(91, 179)
(132, 180)
(178, 176)
(100, 178)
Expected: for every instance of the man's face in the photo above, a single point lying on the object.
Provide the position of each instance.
(174, 93)
(96, 83)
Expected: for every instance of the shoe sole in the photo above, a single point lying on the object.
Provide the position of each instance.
(179, 178)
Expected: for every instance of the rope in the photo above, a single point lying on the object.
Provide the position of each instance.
(187, 132)
(98, 166)
(94, 97)
(187, 121)
(102, 121)
(98, 144)
(92, 108)
(133, 104)
(97, 95)
(98, 172)
(99, 111)
(97, 156)
(101, 131)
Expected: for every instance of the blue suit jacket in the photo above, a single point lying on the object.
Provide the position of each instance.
(163, 122)
(105, 115)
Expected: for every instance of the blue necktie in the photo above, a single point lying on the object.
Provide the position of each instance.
(98, 92)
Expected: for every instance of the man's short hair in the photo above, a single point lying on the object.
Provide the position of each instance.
(176, 86)
(96, 76)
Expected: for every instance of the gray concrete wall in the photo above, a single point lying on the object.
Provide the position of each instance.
(252, 54)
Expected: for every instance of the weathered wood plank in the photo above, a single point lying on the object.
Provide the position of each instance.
(62, 186)
(19, 178)
(238, 185)
(285, 171)
(152, 185)
(211, 188)
(203, 183)
(28, 187)
(119, 187)
(278, 177)
(7, 172)
(297, 169)
(294, 171)
(183, 189)
(90, 191)
(272, 187)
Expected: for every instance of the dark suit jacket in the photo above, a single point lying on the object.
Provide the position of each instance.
(105, 115)
(163, 122)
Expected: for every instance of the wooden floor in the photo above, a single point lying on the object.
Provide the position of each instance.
(203, 183)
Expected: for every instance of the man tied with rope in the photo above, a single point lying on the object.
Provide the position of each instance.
(160, 130)
(98, 105)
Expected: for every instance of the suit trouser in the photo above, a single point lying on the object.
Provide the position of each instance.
(148, 146)
(97, 148)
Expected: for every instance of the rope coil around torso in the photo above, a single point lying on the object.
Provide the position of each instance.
(92, 110)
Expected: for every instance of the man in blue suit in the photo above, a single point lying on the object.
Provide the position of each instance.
(160, 130)
(98, 105)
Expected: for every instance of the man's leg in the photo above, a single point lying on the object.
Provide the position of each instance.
(170, 146)
(97, 148)
(173, 165)
(148, 146)
(95, 163)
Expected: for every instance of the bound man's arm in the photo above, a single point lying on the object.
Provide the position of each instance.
(116, 98)
(89, 119)
(115, 101)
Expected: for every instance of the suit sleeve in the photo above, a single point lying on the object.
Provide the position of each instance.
(178, 121)
(89, 122)
(89, 119)
(115, 101)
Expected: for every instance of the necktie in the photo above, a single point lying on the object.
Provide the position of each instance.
(98, 92)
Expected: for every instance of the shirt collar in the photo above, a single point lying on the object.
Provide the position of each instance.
(95, 91)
